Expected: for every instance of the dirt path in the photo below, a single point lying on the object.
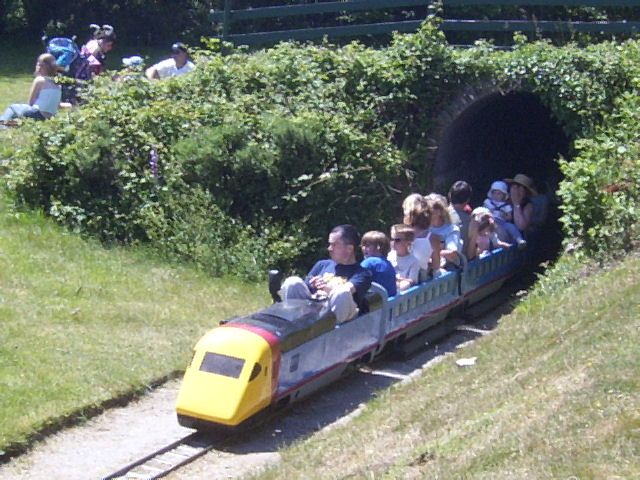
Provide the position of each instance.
(121, 435)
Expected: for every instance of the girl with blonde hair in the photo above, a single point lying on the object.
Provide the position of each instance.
(426, 246)
(45, 94)
(441, 225)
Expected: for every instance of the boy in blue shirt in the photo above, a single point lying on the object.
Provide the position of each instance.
(375, 247)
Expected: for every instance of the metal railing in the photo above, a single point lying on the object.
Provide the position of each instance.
(229, 17)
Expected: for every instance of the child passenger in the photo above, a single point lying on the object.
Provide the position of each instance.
(483, 236)
(375, 247)
(406, 265)
(449, 234)
(425, 246)
(497, 202)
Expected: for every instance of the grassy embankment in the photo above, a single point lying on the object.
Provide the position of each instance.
(81, 325)
(555, 393)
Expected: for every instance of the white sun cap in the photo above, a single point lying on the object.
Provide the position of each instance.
(500, 186)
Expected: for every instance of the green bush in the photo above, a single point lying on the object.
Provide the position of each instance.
(249, 160)
(601, 193)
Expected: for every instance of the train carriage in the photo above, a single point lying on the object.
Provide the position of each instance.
(291, 349)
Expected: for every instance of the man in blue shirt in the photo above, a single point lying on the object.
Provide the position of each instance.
(340, 280)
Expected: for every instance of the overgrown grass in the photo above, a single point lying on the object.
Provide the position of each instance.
(555, 393)
(80, 325)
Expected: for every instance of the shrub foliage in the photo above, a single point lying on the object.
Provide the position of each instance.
(246, 162)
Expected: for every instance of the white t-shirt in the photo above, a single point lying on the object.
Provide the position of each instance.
(406, 267)
(167, 68)
(421, 249)
(450, 236)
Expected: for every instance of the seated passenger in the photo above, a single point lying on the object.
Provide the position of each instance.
(521, 189)
(340, 281)
(426, 246)
(449, 234)
(460, 198)
(497, 202)
(406, 265)
(541, 202)
(375, 247)
(483, 235)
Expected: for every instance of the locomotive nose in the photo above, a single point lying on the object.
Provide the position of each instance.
(228, 380)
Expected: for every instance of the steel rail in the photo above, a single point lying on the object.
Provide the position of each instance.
(166, 459)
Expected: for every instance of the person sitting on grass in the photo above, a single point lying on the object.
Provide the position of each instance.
(340, 280)
(375, 247)
(177, 65)
(406, 265)
(45, 94)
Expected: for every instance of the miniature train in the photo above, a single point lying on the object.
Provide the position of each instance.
(268, 359)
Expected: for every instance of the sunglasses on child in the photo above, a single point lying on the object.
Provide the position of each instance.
(398, 239)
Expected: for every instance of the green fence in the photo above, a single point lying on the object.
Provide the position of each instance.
(230, 18)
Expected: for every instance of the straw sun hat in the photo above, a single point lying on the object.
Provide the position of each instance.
(524, 180)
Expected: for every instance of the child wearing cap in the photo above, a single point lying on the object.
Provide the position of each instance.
(497, 202)
(178, 64)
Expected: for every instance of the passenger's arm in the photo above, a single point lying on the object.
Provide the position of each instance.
(435, 254)
(522, 216)
(404, 283)
(452, 246)
(152, 73)
(352, 287)
(471, 242)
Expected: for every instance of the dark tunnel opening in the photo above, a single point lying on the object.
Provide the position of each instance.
(497, 136)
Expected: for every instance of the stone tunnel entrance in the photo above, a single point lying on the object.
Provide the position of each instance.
(496, 135)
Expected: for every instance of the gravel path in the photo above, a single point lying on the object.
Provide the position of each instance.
(92, 450)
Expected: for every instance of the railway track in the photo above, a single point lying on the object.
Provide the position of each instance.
(167, 459)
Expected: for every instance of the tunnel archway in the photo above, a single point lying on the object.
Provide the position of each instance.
(497, 135)
(490, 135)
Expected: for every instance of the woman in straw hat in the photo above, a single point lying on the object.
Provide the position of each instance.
(521, 189)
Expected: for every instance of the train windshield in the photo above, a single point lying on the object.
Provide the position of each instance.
(222, 365)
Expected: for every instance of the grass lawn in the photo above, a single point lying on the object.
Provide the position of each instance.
(16, 72)
(18, 62)
(80, 325)
(555, 393)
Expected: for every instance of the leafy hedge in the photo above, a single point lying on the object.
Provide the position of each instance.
(246, 162)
